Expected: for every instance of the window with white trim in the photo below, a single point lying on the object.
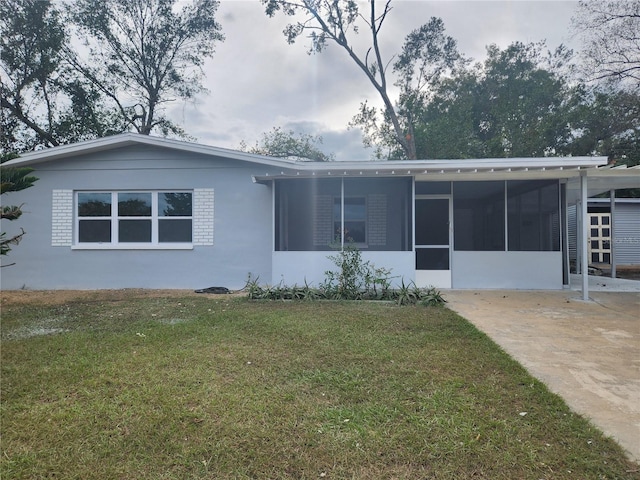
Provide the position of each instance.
(134, 217)
(355, 219)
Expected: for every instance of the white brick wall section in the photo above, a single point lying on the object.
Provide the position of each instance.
(203, 207)
(62, 218)
(323, 233)
(377, 221)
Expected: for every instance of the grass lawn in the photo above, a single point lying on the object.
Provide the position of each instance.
(141, 385)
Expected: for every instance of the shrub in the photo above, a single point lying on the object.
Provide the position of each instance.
(354, 279)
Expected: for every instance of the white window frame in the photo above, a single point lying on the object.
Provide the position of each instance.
(155, 218)
(343, 220)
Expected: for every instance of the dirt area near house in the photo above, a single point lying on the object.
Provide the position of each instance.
(61, 297)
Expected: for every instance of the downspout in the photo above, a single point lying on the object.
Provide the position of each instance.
(583, 246)
(612, 232)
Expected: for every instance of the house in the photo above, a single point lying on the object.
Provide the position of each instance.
(139, 211)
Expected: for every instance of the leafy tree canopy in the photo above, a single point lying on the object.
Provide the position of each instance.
(145, 53)
(607, 122)
(523, 101)
(142, 54)
(288, 144)
(514, 104)
(44, 102)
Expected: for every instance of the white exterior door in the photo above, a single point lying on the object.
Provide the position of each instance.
(599, 238)
(433, 241)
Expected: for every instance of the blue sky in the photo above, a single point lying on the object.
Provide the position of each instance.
(257, 81)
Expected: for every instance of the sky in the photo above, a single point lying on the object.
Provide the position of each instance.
(256, 81)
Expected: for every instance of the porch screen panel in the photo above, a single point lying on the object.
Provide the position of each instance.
(388, 216)
(533, 215)
(478, 216)
(304, 214)
(308, 213)
(432, 258)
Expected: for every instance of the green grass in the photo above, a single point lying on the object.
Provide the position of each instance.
(134, 386)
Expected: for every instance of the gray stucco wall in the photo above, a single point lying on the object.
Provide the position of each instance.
(243, 222)
(508, 270)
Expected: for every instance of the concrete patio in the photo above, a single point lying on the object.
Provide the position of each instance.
(586, 352)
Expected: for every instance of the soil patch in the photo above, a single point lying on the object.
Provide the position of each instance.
(61, 297)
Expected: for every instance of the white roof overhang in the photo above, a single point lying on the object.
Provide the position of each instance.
(445, 170)
(600, 177)
(63, 152)
(604, 179)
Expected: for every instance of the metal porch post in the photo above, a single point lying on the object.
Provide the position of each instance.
(612, 226)
(585, 226)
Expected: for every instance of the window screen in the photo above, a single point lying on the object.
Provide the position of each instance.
(478, 210)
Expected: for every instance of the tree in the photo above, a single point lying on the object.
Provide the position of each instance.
(12, 180)
(145, 53)
(450, 118)
(278, 143)
(43, 102)
(608, 123)
(523, 101)
(610, 32)
(518, 103)
(426, 54)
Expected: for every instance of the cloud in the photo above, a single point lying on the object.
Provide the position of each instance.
(344, 144)
(257, 81)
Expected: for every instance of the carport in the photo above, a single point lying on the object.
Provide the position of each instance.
(591, 182)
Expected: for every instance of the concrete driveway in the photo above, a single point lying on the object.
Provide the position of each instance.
(586, 352)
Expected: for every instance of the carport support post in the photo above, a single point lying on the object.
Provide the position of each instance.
(612, 233)
(585, 225)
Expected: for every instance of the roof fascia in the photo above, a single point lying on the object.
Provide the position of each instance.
(414, 166)
(294, 168)
(127, 139)
(471, 169)
(607, 200)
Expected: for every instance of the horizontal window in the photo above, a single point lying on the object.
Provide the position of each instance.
(133, 218)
